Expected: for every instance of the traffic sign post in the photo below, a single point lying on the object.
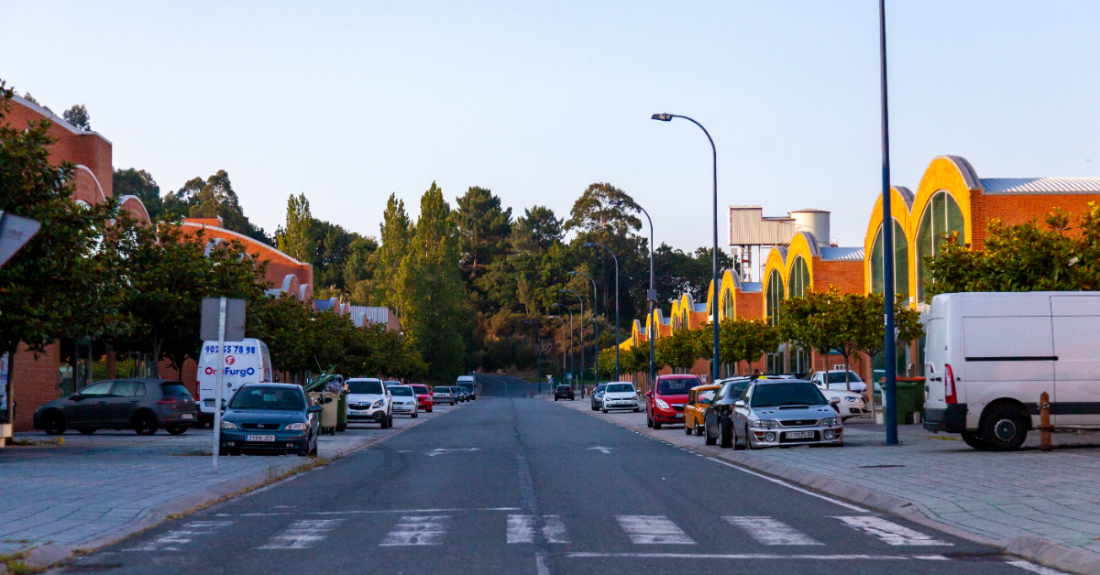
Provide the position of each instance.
(222, 318)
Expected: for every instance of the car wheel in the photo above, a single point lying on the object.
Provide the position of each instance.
(605, 410)
(555, 398)
(1004, 428)
(656, 424)
(648, 420)
(176, 429)
(87, 430)
(429, 410)
(687, 430)
(974, 439)
(145, 423)
(415, 414)
(637, 410)
(725, 431)
(748, 439)
(706, 433)
(53, 423)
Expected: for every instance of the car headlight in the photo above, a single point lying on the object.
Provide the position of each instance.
(852, 399)
(229, 425)
(378, 404)
(662, 404)
(829, 422)
(297, 427)
(763, 424)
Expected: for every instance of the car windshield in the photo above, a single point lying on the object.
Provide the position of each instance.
(678, 386)
(620, 388)
(365, 387)
(277, 398)
(442, 390)
(420, 389)
(838, 377)
(736, 389)
(706, 396)
(600, 387)
(780, 394)
(401, 391)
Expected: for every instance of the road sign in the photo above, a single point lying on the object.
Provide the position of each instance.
(15, 232)
(234, 319)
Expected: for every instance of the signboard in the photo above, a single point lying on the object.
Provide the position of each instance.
(15, 231)
(234, 319)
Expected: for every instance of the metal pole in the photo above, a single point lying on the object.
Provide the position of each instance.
(562, 344)
(572, 356)
(579, 298)
(891, 407)
(538, 338)
(595, 324)
(613, 256)
(218, 381)
(651, 297)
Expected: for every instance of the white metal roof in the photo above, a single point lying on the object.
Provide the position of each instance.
(842, 254)
(1041, 185)
(752, 287)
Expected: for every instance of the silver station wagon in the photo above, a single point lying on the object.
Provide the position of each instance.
(784, 412)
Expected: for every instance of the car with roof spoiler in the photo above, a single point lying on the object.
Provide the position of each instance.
(784, 413)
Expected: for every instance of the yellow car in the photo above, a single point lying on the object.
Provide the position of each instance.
(699, 398)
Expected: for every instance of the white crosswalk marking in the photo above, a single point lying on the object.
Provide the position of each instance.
(889, 533)
(768, 531)
(653, 530)
(522, 529)
(554, 530)
(302, 534)
(417, 530)
(172, 540)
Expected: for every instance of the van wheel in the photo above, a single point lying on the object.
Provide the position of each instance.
(974, 439)
(1004, 428)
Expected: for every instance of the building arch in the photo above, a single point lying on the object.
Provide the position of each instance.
(773, 295)
(942, 217)
(799, 278)
(136, 208)
(901, 204)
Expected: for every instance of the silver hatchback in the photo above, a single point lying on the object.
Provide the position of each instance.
(782, 413)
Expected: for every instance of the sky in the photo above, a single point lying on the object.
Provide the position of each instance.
(349, 102)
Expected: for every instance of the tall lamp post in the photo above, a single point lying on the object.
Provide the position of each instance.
(595, 326)
(581, 299)
(714, 295)
(571, 356)
(651, 295)
(538, 332)
(594, 245)
(563, 341)
(888, 246)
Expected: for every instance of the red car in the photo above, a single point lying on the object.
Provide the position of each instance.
(423, 396)
(666, 398)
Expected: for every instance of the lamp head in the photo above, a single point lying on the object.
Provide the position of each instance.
(589, 245)
(663, 117)
(572, 273)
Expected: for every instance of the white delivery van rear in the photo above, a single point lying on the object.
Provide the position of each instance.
(246, 361)
(989, 357)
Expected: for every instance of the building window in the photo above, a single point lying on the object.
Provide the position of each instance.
(942, 217)
(799, 281)
(901, 262)
(727, 304)
(774, 296)
(684, 323)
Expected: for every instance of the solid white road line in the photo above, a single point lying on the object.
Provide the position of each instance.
(554, 530)
(768, 531)
(1034, 568)
(172, 540)
(302, 534)
(750, 556)
(889, 533)
(653, 530)
(417, 530)
(790, 486)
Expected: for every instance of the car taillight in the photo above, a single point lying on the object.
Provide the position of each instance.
(949, 386)
(166, 401)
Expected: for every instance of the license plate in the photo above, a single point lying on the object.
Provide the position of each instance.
(800, 435)
(679, 416)
(208, 401)
(189, 416)
(265, 438)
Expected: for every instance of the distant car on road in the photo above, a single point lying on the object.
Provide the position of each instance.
(443, 394)
(270, 418)
(666, 398)
(461, 393)
(369, 400)
(404, 400)
(784, 413)
(597, 396)
(468, 383)
(564, 392)
(144, 405)
(698, 399)
(620, 395)
(423, 397)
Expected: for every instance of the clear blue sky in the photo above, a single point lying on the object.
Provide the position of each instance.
(350, 101)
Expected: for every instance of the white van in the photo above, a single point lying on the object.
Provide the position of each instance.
(989, 356)
(246, 361)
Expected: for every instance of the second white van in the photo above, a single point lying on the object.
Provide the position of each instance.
(246, 361)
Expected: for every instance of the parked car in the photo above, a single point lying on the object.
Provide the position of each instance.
(666, 397)
(404, 400)
(564, 392)
(784, 412)
(848, 404)
(597, 397)
(461, 393)
(270, 418)
(989, 357)
(835, 380)
(620, 395)
(443, 394)
(698, 399)
(718, 416)
(369, 400)
(423, 397)
(468, 383)
(144, 405)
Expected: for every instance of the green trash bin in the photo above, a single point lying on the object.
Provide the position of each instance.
(910, 398)
(342, 412)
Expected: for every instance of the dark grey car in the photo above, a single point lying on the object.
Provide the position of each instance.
(144, 405)
(597, 396)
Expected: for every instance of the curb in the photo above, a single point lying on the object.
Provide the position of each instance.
(1043, 551)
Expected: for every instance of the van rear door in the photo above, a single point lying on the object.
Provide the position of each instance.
(1076, 321)
(935, 358)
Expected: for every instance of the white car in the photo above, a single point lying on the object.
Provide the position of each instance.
(403, 399)
(620, 395)
(835, 380)
(369, 400)
(442, 394)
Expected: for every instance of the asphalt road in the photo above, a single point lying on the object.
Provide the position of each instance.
(510, 485)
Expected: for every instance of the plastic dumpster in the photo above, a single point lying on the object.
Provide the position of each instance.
(330, 405)
(910, 398)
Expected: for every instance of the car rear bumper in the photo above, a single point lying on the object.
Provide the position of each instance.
(411, 408)
(187, 418)
(951, 419)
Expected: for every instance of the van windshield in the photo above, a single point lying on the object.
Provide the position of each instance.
(620, 388)
(365, 387)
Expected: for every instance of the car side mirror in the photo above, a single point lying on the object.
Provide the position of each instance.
(649, 394)
(76, 397)
(834, 401)
(315, 409)
(740, 403)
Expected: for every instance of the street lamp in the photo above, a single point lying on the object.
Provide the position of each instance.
(563, 341)
(538, 332)
(651, 295)
(888, 286)
(595, 326)
(571, 357)
(714, 295)
(581, 299)
(594, 245)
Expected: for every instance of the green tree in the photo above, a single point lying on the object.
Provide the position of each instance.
(867, 312)
(741, 339)
(213, 197)
(677, 272)
(78, 116)
(134, 182)
(483, 228)
(536, 230)
(298, 239)
(677, 350)
(832, 322)
(396, 234)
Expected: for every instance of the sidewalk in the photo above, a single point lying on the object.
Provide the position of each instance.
(96, 489)
(1021, 501)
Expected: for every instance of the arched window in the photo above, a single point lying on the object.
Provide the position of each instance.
(799, 281)
(727, 304)
(941, 217)
(675, 322)
(684, 323)
(901, 262)
(774, 296)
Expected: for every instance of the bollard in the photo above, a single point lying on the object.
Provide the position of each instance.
(1044, 422)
